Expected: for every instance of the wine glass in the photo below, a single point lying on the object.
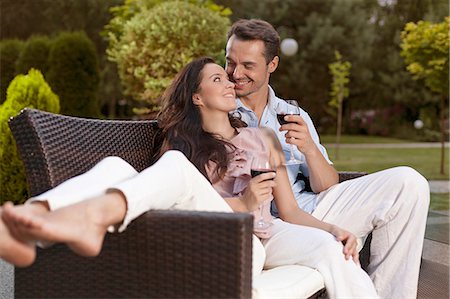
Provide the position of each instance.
(260, 165)
(291, 109)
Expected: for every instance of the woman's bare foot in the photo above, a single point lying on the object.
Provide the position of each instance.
(82, 226)
(14, 251)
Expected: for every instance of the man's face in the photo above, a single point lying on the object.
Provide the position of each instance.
(246, 66)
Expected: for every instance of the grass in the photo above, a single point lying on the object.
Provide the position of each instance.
(439, 201)
(424, 160)
(361, 139)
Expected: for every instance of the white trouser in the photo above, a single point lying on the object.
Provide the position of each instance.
(293, 244)
(171, 183)
(393, 205)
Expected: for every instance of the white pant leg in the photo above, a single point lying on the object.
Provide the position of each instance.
(92, 183)
(173, 182)
(393, 204)
(295, 244)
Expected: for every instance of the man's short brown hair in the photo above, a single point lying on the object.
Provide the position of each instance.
(255, 29)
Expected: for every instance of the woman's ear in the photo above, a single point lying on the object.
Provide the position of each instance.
(197, 100)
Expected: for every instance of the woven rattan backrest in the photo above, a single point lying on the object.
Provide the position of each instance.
(55, 147)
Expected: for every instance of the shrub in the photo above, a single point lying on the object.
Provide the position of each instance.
(34, 55)
(73, 74)
(24, 91)
(9, 53)
(156, 42)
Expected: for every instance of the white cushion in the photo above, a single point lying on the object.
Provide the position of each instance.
(290, 281)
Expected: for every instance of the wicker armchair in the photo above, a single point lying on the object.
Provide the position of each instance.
(162, 254)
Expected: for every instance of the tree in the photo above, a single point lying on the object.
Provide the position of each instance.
(34, 55)
(156, 42)
(32, 91)
(425, 47)
(367, 33)
(73, 74)
(340, 71)
(9, 53)
(24, 18)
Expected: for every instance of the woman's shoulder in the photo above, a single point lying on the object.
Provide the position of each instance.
(253, 133)
(260, 137)
(262, 132)
(248, 130)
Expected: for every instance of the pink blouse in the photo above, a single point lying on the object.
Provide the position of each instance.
(249, 143)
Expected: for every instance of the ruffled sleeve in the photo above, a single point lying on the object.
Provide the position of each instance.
(239, 170)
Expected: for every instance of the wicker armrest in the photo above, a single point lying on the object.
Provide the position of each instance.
(348, 175)
(162, 254)
(343, 176)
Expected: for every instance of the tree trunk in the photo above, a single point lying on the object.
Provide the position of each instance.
(339, 125)
(442, 125)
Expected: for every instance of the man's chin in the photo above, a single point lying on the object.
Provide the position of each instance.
(241, 93)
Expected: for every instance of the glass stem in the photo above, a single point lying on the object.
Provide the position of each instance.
(261, 213)
(292, 152)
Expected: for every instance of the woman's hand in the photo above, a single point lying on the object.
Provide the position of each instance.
(258, 190)
(349, 241)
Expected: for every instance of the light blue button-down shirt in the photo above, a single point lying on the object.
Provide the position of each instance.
(306, 200)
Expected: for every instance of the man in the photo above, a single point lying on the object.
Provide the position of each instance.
(392, 204)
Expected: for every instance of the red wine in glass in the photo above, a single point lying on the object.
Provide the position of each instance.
(261, 165)
(281, 120)
(256, 172)
(292, 109)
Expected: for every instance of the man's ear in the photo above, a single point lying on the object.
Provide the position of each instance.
(273, 64)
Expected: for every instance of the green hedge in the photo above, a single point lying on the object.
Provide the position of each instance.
(24, 91)
(34, 55)
(9, 53)
(74, 74)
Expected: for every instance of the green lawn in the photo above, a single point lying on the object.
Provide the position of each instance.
(361, 139)
(424, 160)
(439, 201)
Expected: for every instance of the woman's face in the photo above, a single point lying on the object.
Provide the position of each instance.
(216, 92)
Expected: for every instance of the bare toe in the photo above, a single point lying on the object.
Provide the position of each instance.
(14, 251)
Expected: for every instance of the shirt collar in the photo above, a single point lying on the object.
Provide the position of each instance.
(271, 104)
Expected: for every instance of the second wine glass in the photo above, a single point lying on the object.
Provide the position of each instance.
(291, 109)
(260, 165)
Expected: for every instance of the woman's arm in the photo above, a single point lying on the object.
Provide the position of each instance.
(287, 206)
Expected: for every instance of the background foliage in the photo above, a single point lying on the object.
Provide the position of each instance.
(34, 55)
(155, 43)
(21, 19)
(425, 47)
(384, 99)
(340, 72)
(32, 91)
(9, 53)
(68, 61)
(73, 74)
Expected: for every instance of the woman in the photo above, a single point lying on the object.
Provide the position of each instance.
(219, 148)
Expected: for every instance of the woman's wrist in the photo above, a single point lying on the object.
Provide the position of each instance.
(244, 203)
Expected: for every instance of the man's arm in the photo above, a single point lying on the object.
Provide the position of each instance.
(322, 175)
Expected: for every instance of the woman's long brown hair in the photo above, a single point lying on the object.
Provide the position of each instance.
(181, 122)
